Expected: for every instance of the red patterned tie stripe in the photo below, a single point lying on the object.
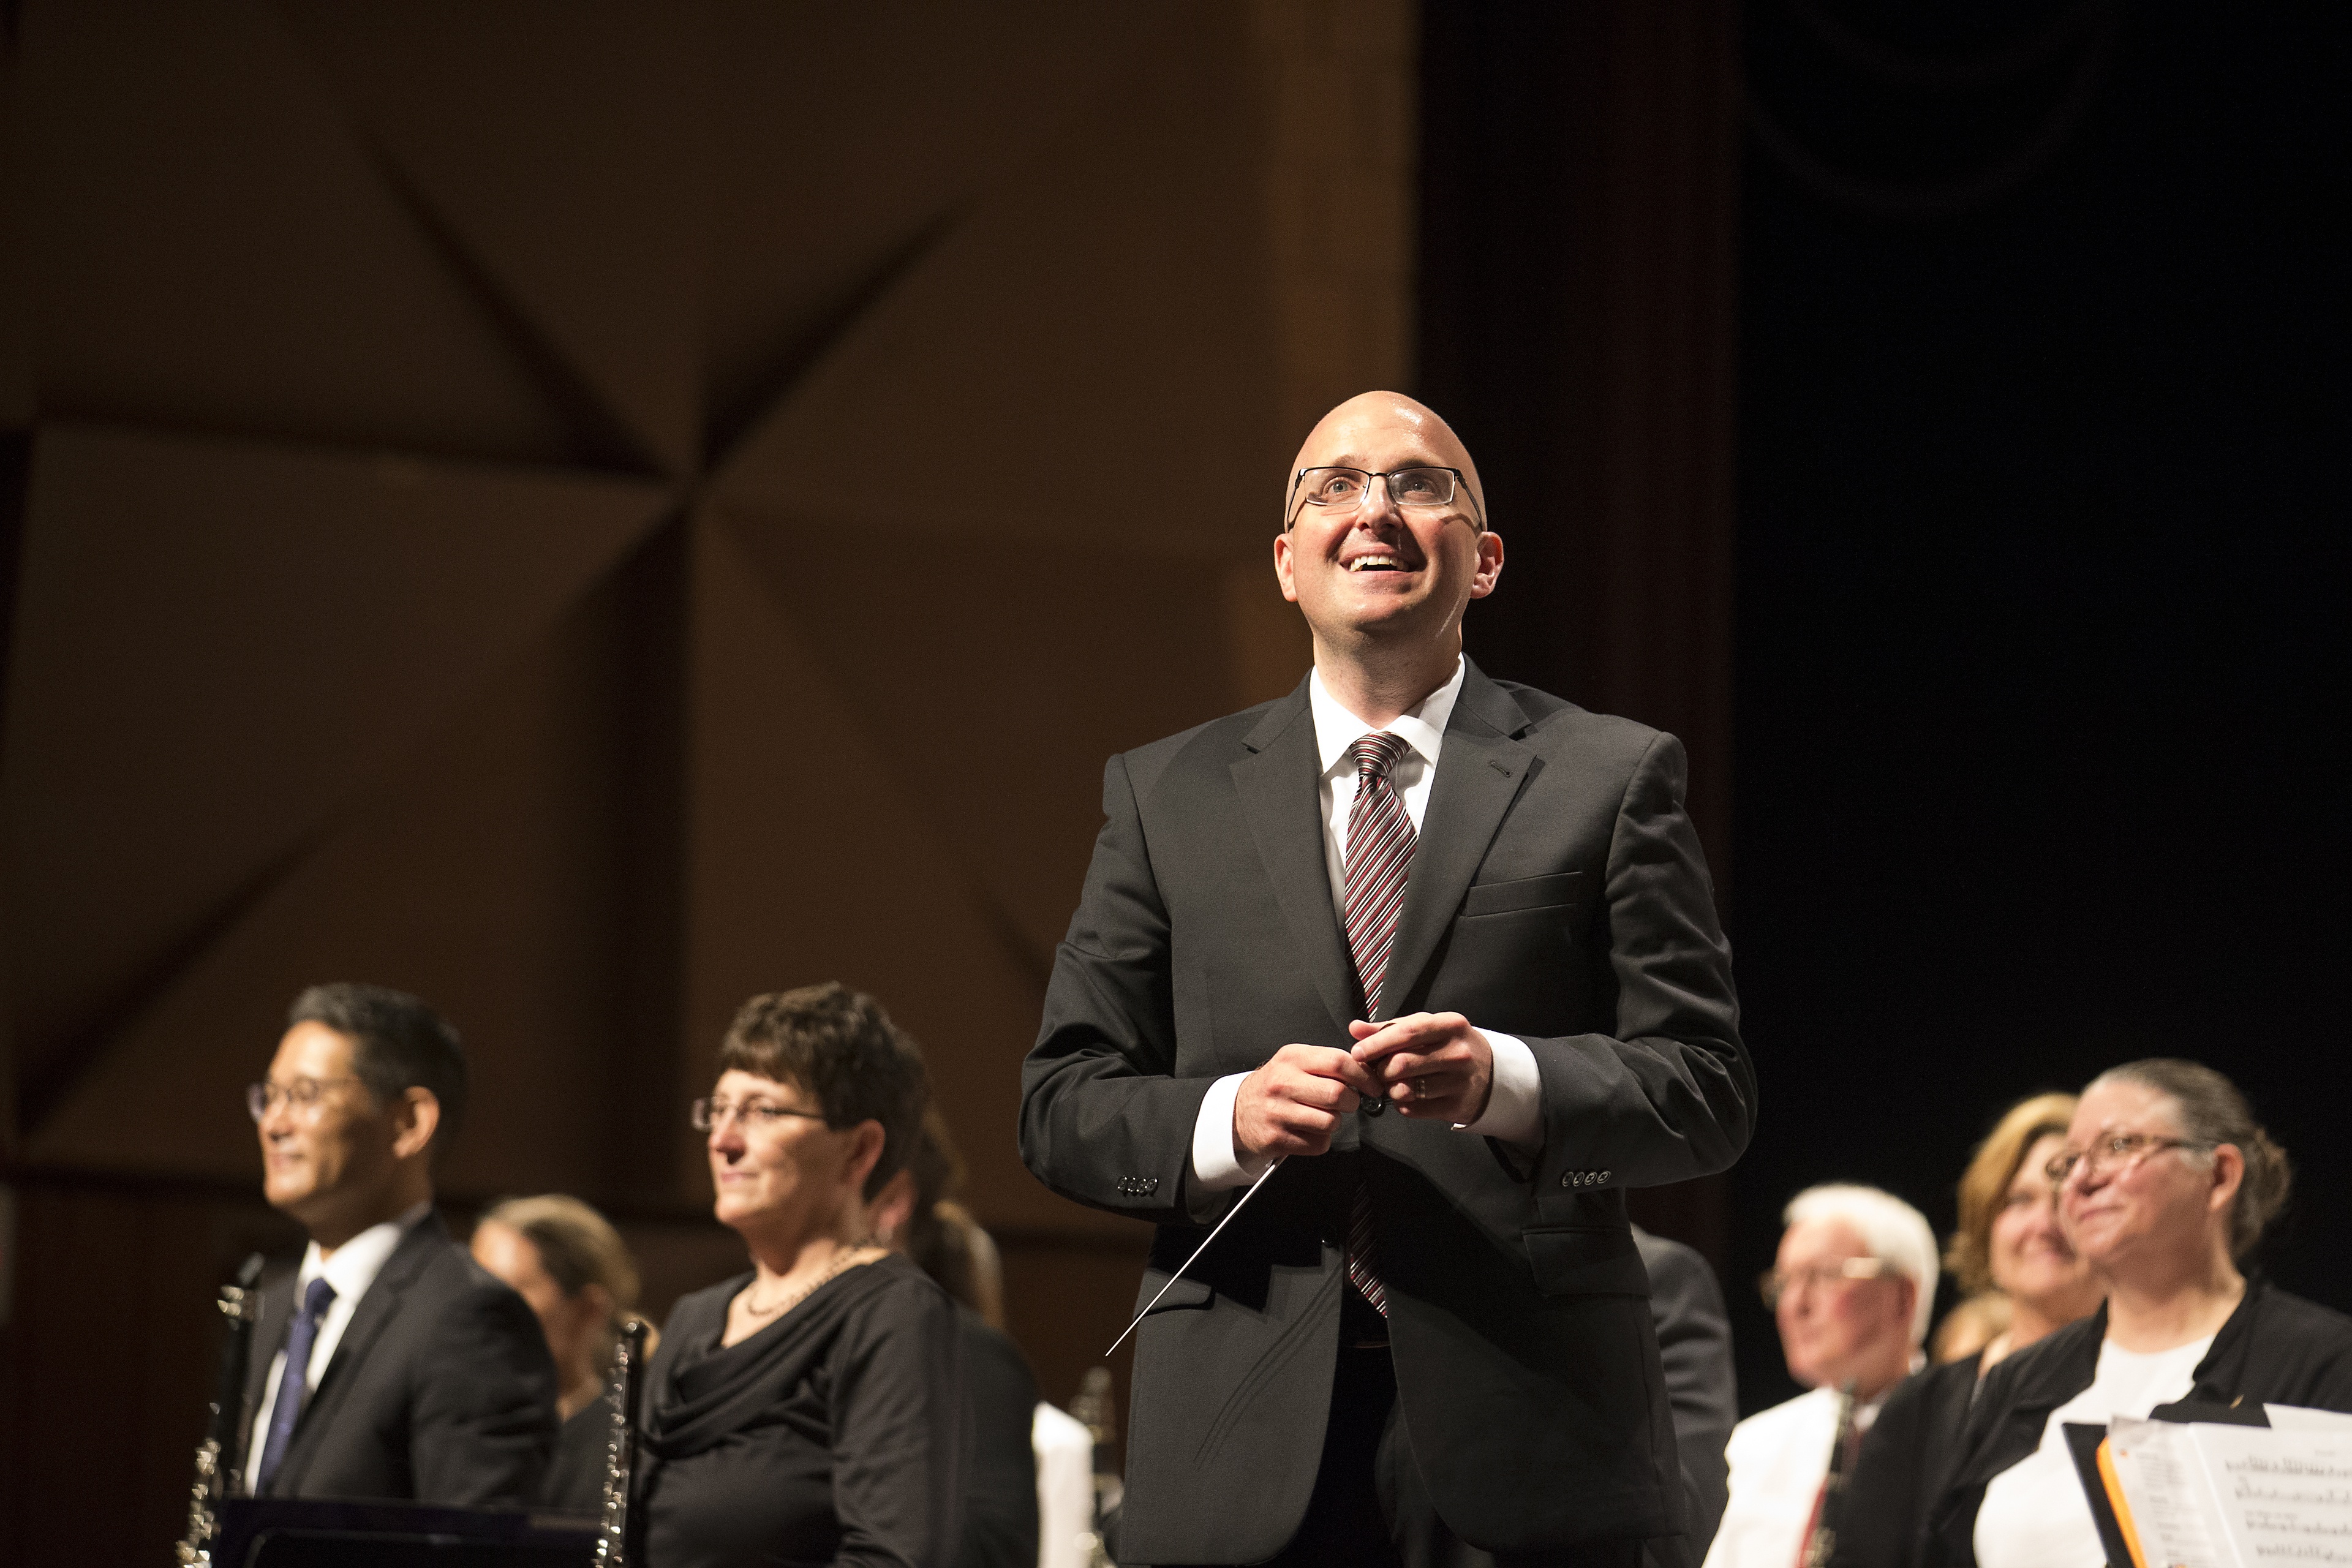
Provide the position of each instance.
(1380, 859)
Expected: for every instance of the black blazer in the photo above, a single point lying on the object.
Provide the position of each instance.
(441, 1390)
(2275, 1349)
(1557, 893)
(1694, 1346)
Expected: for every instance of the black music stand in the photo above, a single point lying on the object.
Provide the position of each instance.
(314, 1533)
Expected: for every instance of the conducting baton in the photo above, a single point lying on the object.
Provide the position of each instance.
(1188, 1263)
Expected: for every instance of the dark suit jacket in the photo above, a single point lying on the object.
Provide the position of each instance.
(1557, 893)
(1694, 1346)
(441, 1390)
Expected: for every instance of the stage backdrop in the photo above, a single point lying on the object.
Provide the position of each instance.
(590, 511)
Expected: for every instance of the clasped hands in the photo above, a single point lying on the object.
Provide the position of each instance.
(1432, 1066)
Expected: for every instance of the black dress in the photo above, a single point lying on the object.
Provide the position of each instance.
(1000, 1495)
(836, 1435)
(584, 1452)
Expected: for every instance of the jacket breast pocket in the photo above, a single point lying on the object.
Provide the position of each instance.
(1556, 891)
(1586, 1260)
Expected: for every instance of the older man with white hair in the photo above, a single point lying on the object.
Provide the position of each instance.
(1851, 1290)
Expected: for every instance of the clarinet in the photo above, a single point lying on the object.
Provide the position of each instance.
(219, 1470)
(1820, 1536)
(621, 1453)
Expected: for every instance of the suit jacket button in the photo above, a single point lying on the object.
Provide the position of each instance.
(1373, 1106)
(1603, 1176)
(1567, 1178)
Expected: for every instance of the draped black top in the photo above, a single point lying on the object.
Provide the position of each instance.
(836, 1435)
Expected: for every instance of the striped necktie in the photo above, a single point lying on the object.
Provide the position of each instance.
(1380, 859)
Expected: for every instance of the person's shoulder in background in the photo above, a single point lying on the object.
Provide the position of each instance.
(1694, 1333)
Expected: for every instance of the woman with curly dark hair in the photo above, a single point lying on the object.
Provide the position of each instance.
(810, 1410)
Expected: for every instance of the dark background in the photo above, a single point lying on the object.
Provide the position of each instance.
(2040, 651)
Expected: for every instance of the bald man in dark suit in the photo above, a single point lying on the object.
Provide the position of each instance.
(1445, 948)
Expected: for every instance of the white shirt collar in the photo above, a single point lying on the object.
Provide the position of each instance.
(358, 1261)
(1421, 726)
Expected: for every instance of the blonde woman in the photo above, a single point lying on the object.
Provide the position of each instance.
(2021, 1280)
(569, 1263)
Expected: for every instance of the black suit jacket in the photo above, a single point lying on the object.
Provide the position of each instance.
(441, 1390)
(1557, 893)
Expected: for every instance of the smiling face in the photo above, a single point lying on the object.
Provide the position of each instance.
(1375, 572)
(339, 1152)
(1834, 1330)
(2152, 1213)
(2031, 1260)
(781, 1176)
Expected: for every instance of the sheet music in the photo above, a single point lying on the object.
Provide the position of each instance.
(2285, 1496)
(2173, 1511)
(2205, 1496)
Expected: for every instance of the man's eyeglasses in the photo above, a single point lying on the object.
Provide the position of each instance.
(301, 1097)
(712, 1111)
(2117, 1150)
(1777, 1283)
(1346, 489)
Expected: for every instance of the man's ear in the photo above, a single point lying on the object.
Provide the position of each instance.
(1490, 564)
(415, 1117)
(1282, 566)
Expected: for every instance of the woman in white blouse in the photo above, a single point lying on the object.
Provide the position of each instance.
(2166, 1184)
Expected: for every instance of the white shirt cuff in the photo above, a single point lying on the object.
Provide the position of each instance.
(1515, 1103)
(1216, 1165)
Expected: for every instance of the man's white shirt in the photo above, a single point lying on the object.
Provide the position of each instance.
(350, 1271)
(1514, 1110)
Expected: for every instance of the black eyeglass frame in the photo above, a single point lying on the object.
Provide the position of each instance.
(1461, 483)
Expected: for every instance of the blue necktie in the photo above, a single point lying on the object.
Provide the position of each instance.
(294, 1383)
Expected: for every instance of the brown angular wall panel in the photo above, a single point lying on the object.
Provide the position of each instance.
(216, 644)
(214, 249)
(590, 511)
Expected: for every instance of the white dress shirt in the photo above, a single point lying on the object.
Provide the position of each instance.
(1514, 1110)
(1779, 1459)
(350, 1271)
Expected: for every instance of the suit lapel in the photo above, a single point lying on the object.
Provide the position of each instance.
(369, 1320)
(1480, 771)
(1277, 783)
